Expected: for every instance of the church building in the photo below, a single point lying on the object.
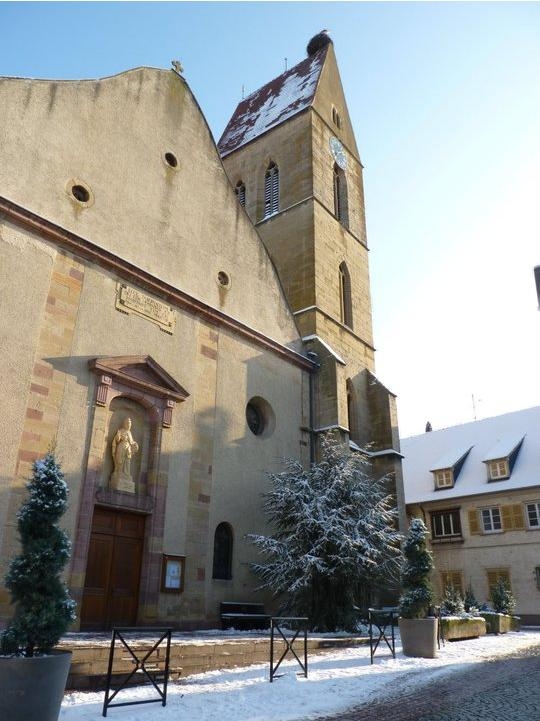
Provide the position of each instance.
(176, 318)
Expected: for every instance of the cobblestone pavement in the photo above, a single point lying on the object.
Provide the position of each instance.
(505, 689)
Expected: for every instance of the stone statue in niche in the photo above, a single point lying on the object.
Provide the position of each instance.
(123, 448)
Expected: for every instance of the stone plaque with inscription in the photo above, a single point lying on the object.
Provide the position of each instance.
(130, 300)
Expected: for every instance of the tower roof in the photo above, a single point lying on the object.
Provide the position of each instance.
(277, 101)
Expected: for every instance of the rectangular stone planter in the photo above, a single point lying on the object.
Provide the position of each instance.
(500, 622)
(418, 637)
(455, 628)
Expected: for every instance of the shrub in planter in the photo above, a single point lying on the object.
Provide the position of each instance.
(418, 632)
(459, 628)
(502, 598)
(500, 622)
(469, 600)
(43, 608)
(452, 603)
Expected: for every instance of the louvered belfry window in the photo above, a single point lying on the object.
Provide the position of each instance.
(240, 191)
(271, 190)
(345, 297)
(341, 209)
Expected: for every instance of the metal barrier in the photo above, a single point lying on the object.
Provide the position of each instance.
(381, 618)
(276, 626)
(154, 669)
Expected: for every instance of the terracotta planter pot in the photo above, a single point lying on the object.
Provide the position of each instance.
(31, 689)
(418, 637)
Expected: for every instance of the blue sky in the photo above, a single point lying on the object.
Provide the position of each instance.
(445, 102)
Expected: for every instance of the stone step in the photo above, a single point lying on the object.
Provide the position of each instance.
(188, 656)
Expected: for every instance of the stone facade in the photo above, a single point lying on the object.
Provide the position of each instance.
(136, 286)
(309, 245)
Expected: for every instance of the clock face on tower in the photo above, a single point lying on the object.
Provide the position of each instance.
(338, 152)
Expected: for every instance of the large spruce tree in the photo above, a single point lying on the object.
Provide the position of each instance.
(336, 538)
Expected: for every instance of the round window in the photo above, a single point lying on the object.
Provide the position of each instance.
(223, 279)
(171, 160)
(79, 191)
(260, 417)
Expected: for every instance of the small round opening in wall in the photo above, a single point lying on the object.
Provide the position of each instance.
(260, 416)
(171, 160)
(223, 279)
(80, 193)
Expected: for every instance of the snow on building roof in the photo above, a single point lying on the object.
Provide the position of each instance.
(504, 446)
(277, 101)
(424, 453)
(451, 457)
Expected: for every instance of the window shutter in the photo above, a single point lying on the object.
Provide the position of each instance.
(507, 520)
(492, 578)
(517, 513)
(474, 526)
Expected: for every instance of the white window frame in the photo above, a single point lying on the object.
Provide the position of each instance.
(447, 517)
(535, 506)
(498, 469)
(444, 478)
(491, 519)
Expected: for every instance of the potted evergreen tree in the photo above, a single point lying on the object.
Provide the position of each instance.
(418, 630)
(33, 675)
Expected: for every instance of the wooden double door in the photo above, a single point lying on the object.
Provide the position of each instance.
(113, 570)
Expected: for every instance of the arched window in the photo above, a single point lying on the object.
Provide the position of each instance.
(352, 411)
(336, 119)
(271, 190)
(223, 546)
(341, 208)
(240, 191)
(345, 301)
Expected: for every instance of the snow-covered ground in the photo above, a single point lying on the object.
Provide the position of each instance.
(336, 681)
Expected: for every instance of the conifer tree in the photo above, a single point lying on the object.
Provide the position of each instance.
(502, 598)
(418, 594)
(452, 603)
(43, 608)
(469, 600)
(336, 538)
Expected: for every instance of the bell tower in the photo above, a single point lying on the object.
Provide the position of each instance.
(290, 151)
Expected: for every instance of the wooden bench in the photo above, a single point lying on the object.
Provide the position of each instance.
(243, 616)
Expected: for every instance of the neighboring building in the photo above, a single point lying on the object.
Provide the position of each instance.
(477, 487)
(135, 286)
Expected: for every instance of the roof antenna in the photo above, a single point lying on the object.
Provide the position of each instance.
(285, 64)
(242, 92)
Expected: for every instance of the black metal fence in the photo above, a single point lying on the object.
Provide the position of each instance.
(151, 662)
(288, 628)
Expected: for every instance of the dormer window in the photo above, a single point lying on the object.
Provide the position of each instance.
(444, 478)
(501, 458)
(498, 470)
(447, 470)
(240, 190)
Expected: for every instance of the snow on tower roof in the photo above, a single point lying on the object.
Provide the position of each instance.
(277, 101)
(490, 438)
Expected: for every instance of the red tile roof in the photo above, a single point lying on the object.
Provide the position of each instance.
(277, 101)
